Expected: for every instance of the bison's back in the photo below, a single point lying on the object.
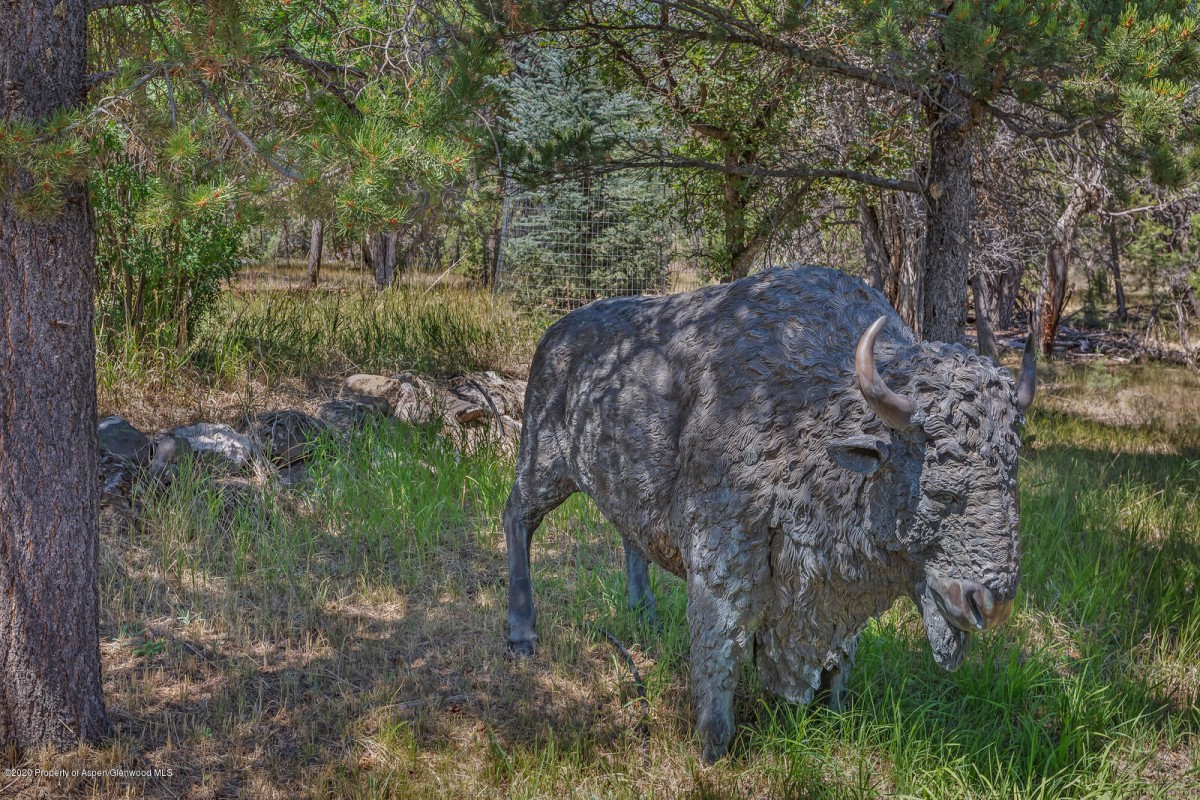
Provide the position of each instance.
(664, 408)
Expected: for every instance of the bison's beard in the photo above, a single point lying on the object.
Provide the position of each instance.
(949, 643)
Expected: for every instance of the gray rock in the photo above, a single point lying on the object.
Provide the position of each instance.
(122, 441)
(462, 411)
(292, 475)
(286, 437)
(491, 391)
(420, 401)
(373, 391)
(219, 445)
(342, 415)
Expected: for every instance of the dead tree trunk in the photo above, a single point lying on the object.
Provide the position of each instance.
(875, 249)
(379, 259)
(50, 691)
(1084, 198)
(892, 240)
(316, 244)
(1114, 266)
(950, 199)
(316, 248)
(984, 331)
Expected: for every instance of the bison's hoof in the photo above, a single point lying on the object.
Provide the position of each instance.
(714, 752)
(523, 648)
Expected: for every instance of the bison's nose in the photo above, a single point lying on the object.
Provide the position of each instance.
(969, 606)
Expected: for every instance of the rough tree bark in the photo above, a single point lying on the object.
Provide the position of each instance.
(951, 201)
(50, 690)
(382, 258)
(316, 244)
(1086, 195)
(733, 209)
(391, 253)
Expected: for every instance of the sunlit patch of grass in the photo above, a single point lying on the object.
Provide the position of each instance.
(440, 330)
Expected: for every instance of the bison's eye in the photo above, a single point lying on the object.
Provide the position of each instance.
(945, 498)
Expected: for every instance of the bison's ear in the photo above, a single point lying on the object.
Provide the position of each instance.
(861, 454)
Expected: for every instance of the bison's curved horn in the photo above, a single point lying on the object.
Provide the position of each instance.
(894, 409)
(1027, 382)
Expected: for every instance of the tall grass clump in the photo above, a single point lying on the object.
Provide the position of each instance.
(440, 331)
(265, 349)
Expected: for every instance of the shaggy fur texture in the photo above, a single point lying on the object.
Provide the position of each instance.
(723, 434)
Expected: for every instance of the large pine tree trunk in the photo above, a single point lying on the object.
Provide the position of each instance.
(316, 244)
(951, 203)
(50, 691)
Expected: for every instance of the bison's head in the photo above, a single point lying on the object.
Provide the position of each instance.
(957, 422)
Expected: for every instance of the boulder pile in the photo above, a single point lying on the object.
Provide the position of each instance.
(471, 410)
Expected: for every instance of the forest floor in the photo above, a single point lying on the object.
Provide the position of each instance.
(346, 638)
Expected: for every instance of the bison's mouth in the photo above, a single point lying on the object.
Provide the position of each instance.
(948, 642)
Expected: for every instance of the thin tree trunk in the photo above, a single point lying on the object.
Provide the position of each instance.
(1114, 265)
(392, 253)
(50, 690)
(983, 318)
(493, 255)
(1000, 291)
(316, 244)
(379, 260)
(875, 249)
(1084, 198)
(733, 209)
(903, 239)
(951, 203)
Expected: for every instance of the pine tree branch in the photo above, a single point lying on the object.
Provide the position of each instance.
(152, 69)
(323, 71)
(283, 169)
(760, 171)
(721, 23)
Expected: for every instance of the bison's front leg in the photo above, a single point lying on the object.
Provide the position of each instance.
(720, 646)
(836, 676)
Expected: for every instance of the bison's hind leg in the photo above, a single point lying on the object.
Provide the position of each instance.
(637, 582)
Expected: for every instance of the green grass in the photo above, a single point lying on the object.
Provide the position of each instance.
(346, 639)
